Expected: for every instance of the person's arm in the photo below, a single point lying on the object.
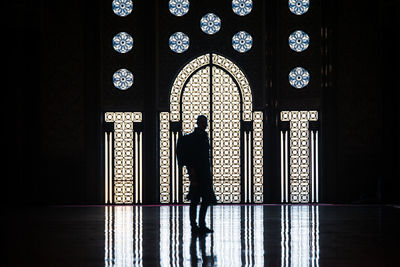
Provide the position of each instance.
(192, 175)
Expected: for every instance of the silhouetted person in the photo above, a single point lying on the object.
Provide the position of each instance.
(194, 152)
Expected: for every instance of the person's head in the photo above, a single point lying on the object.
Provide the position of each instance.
(201, 122)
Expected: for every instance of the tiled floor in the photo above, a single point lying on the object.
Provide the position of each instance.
(268, 235)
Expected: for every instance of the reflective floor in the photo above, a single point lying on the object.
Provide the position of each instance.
(268, 235)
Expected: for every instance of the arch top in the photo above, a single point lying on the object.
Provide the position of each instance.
(225, 64)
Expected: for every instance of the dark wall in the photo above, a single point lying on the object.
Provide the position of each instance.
(21, 101)
(53, 114)
(361, 123)
(47, 81)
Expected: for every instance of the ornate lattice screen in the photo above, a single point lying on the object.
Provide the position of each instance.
(195, 101)
(225, 136)
(299, 158)
(123, 158)
(214, 86)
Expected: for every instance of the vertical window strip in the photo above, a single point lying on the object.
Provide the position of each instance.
(121, 162)
(164, 158)
(258, 162)
(300, 159)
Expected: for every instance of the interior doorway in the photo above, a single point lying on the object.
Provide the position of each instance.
(214, 86)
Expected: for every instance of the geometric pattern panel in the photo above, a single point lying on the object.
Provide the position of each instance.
(299, 41)
(242, 7)
(179, 82)
(242, 41)
(123, 155)
(240, 78)
(178, 7)
(123, 79)
(299, 7)
(122, 8)
(164, 158)
(195, 101)
(190, 96)
(258, 177)
(225, 137)
(179, 42)
(210, 23)
(299, 153)
(299, 77)
(218, 60)
(122, 42)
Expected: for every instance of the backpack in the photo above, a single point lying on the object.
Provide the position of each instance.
(183, 150)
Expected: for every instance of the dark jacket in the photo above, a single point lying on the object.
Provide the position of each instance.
(196, 155)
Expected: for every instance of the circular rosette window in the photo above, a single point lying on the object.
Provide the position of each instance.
(210, 23)
(299, 7)
(299, 41)
(299, 77)
(123, 79)
(179, 42)
(242, 41)
(122, 8)
(122, 42)
(242, 7)
(178, 7)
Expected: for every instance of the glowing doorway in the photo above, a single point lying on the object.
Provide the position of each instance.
(214, 86)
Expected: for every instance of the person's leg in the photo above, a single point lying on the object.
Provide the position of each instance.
(202, 219)
(193, 212)
(202, 215)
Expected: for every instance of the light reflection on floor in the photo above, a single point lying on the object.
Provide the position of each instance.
(267, 235)
(123, 236)
(238, 239)
(222, 248)
(299, 235)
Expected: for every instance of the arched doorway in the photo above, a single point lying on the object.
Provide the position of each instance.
(214, 86)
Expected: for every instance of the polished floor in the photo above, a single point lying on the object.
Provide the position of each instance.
(262, 235)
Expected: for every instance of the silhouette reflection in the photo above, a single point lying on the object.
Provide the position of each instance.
(201, 257)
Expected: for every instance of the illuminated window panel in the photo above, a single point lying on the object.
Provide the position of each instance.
(179, 82)
(122, 42)
(179, 42)
(178, 7)
(299, 41)
(242, 42)
(226, 137)
(164, 158)
(122, 8)
(210, 23)
(195, 101)
(211, 87)
(123, 175)
(242, 7)
(299, 77)
(299, 7)
(244, 86)
(258, 173)
(224, 63)
(299, 166)
(123, 79)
